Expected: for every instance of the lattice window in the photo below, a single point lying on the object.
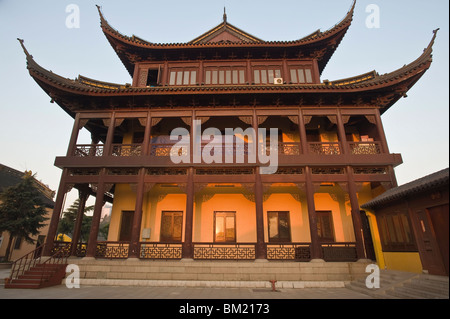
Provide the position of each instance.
(289, 170)
(370, 170)
(122, 171)
(327, 170)
(166, 171)
(84, 171)
(224, 171)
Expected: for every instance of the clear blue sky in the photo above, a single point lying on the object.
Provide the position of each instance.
(33, 131)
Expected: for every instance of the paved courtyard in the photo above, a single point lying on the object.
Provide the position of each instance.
(121, 292)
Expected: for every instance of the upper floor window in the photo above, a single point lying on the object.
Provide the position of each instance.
(266, 75)
(225, 75)
(301, 75)
(183, 77)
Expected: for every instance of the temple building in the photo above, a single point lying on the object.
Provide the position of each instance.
(288, 182)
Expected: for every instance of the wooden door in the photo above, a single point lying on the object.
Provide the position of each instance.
(126, 224)
(439, 220)
(367, 236)
(428, 245)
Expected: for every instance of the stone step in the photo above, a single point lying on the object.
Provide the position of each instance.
(219, 271)
(424, 285)
(413, 293)
(22, 285)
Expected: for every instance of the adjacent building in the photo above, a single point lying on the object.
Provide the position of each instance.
(413, 225)
(11, 177)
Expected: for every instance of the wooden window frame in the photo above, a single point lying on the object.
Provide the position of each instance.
(228, 75)
(295, 69)
(394, 228)
(328, 214)
(183, 76)
(279, 240)
(259, 70)
(227, 213)
(171, 240)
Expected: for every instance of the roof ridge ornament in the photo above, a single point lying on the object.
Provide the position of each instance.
(224, 15)
(24, 49)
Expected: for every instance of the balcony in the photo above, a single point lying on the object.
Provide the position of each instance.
(289, 153)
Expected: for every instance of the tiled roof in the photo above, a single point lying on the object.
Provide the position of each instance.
(11, 177)
(420, 185)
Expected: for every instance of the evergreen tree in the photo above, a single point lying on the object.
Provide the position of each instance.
(67, 223)
(22, 211)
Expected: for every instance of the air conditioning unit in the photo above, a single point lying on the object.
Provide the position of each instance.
(278, 81)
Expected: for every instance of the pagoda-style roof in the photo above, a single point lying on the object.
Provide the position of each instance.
(369, 88)
(225, 33)
(227, 42)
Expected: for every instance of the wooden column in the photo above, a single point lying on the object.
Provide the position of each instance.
(59, 202)
(110, 135)
(302, 131)
(137, 217)
(82, 196)
(188, 251)
(146, 141)
(74, 136)
(356, 215)
(316, 251)
(260, 250)
(381, 133)
(341, 133)
(92, 242)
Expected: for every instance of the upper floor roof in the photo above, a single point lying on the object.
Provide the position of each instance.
(226, 41)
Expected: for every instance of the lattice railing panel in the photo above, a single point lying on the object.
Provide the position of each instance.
(300, 252)
(224, 252)
(112, 250)
(324, 148)
(160, 251)
(339, 252)
(365, 148)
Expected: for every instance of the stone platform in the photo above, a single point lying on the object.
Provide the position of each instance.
(232, 274)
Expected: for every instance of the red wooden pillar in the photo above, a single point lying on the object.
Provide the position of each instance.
(110, 135)
(302, 132)
(341, 134)
(92, 242)
(260, 251)
(59, 202)
(146, 141)
(83, 196)
(381, 133)
(356, 215)
(137, 217)
(74, 136)
(316, 251)
(188, 251)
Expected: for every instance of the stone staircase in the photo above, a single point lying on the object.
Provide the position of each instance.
(39, 276)
(404, 285)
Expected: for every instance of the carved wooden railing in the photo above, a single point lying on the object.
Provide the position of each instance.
(112, 249)
(289, 251)
(88, 150)
(224, 251)
(365, 148)
(339, 251)
(324, 148)
(166, 149)
(126, 149)
(157, 250)
(289, 148)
